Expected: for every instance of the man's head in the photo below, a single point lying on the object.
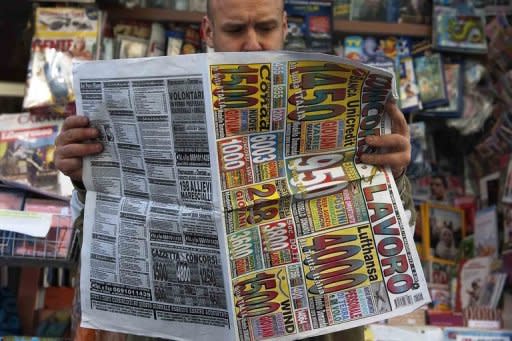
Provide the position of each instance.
(438, 186)
(245, 25)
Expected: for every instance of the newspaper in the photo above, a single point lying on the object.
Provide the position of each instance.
(229, 202)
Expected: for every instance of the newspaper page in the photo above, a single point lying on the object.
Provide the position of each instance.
(229, 202)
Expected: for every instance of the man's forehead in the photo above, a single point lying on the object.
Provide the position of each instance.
(214, 7)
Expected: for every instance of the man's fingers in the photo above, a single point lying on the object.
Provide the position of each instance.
(78, 150)
(394, 142)
(393, 160)
(73, 122)
(68, 166)
(398, 122)
(75, 135)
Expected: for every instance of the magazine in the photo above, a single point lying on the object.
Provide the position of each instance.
(229, 201)
(62, 35)
(472, 278)
(453, 75)
(27, 145)
(430, 77)
(443, 231)
(486, 232)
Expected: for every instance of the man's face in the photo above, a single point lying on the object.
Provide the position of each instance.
(437, 189)
(245, 25)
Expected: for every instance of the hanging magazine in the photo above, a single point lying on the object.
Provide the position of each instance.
(229, 202)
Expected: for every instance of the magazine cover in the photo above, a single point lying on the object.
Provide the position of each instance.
(468, 204)
(459, 29)
(27, 145)
(430, 75)
(486, 232)
(453, 75)
(507, 225)
(409, 89)
(419, 166)
(61, 36)
(507, 189)
(443, 231)
(473, 275)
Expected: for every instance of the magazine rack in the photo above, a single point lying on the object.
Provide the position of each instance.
(57, 249)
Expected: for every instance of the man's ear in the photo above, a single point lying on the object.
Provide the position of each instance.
(207, 28)
(285, 25)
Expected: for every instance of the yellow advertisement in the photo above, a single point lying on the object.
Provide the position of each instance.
(324, 106)
(263, 304)
(340, 260)
(241, 98)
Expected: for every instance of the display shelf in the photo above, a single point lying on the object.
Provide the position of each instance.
(154, 14)
(381, 28)
(37, 263)
(340, 26)
(12, 89)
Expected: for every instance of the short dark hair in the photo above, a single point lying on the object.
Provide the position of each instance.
(443, 179)
(209, 8)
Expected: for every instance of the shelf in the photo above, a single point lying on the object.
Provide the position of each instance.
(382, 28)
(154, 14)
(12, 89)
(340, 26)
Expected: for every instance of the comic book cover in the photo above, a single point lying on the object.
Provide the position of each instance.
(57, 243)
(419, 165)
(27, 146)
(486, 232)
(375, 10)
(309, 26)
(453, 75)
(353, 48)
(341, 9)
(459, 29)
(498, 7)
(430, 76)
(61, 36)
(409, 90)
(443, 231)
(415, 11)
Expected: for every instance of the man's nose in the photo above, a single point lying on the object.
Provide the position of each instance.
(252, 42)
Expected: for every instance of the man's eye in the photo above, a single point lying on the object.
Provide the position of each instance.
(267, 28)
(234, 29)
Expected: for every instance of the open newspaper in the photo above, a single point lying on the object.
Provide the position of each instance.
(229, 202)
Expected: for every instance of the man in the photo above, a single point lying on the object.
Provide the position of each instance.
(438, 188)
(234, 25)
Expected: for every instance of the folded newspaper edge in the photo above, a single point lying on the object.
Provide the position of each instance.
(229, 202)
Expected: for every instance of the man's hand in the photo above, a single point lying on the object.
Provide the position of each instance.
(395, 148)
(73, 144)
